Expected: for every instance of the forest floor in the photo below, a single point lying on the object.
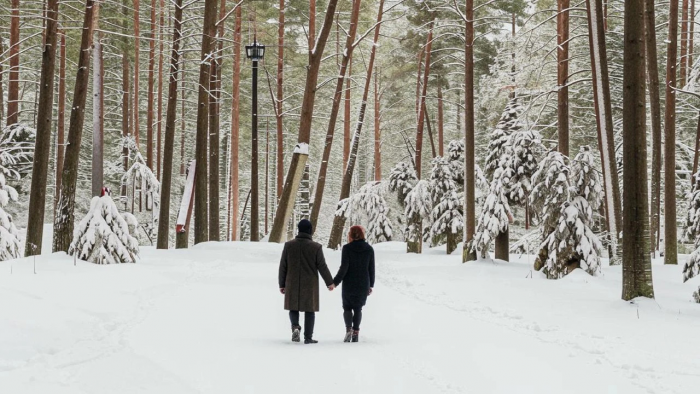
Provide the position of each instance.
(210, 320)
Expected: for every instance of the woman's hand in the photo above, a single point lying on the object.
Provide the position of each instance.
(370, 291)
(282, 290)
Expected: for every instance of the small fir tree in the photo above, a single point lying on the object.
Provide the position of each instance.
(495, 213)
(9, 236)
(418, 205)
(507, 125)
(446, 214)
(402, 179)
(522, 163)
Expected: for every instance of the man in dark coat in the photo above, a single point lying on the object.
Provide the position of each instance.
(302, 260)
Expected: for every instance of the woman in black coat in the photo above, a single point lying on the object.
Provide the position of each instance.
(357, 275)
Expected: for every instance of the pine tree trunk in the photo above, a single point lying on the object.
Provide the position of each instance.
(422, 108)
(183, 134)
(201, 208)
(337, 97)
(655, 109)
(280, 97)
(63, 224)
(291, 185)
(13, 77)
(125, 96)
(377, 130)
(501, 251)
(684, 44)
(563, 75)
(346, 116)
(339, 221)
(42, 147)
(151, 89)
(451, 243)
(604, 123)
(312, 24)
(418, 84)
(441, 125)
(670, 236)
(691, 33)
(60, 138)
(233, 184)
(171, 113)
(159, 122)
(97, 115)
(636, 259)
(469, 165)
(137, 49)
(214, 107)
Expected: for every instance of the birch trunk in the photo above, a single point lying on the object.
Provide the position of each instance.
(377, 130)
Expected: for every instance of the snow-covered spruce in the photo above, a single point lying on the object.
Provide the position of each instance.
(103, 237)
(140, 174)
(446, 215)
(507, 125)
(551, 189)
(691, 268)
(402, 178)
(9, 236)
(495, 214)
(691, 230)
(369, 208)
(418, 205)
(16, 150)
(586, 179)
(521, 159)
(455, 156)
(696, 296)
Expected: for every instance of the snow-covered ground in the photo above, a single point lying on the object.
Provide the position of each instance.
(210, 320)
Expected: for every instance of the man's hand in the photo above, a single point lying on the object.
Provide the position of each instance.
(370, 291)
(282, 290)
(331, 287)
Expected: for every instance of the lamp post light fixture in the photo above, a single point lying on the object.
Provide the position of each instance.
(254, 52)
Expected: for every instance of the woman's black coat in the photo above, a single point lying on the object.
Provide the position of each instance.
(356, 273)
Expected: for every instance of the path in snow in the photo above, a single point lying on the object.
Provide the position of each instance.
(210, 320)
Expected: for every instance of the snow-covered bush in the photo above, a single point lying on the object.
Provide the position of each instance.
(103, 237)
(446, 215)
(402, 178)
(418, 205)
(369, 208)
(495, 214)
(586, 179)
(16, 150)
(551, 189)
(507, 125)
(9, 236)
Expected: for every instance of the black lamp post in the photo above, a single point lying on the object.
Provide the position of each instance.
(254, 52)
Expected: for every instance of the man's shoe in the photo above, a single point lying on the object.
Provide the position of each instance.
(296, 336)
(356, 335)
(348, 335)
(309, 341)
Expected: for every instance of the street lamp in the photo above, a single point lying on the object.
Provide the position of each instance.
(254, 52)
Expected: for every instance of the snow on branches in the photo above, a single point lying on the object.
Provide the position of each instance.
(495, 213)
(368, 207)
(402, 179)
(103, 237)
(586, 179)
(9, 236)
(418, 206)
(521, 161)
(507, 125)
(16, 150)
(691, 230)
(140, 174)
(446, 215)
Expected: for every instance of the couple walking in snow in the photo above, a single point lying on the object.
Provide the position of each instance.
(301, 263)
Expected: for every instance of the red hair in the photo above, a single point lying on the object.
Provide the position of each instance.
(356, 233)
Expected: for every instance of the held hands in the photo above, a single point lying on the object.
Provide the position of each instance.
(282, 290)
(331, 287)
(370, 291)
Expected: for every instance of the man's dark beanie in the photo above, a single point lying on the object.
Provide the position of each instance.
(306, 227)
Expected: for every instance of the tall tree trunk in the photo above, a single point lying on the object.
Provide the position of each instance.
(159, 122)
(670, 236)
(13, 78)
(339, 221)
(291, 185)
(60, 138)
(312, 24)
(469, 165)
(441, 125)
(201, 209)
(183, 124)
(347, 116)
(63, 224)
(42, 146)
(151, 89)
(2, 93)
(214, 107)
(418, 84)
(97, 113)
(137, 49)
(125, 95)
(233, 184)
(337, 97)
(691, 33)
(563, 75)
(684, 44)
(697, 152)
(280, 97)
(422, 109)
(171, 113)
(377, 130)
(636, 259)
(604, 123)
(655, 108)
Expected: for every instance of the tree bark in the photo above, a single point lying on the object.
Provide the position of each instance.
(346, 116)
(418, 85)
(377, 130)
(501, 251)
(137, 49)
(441, 125)
(97, 115)
(2, 93)
(63, 224)
(563, 75)
(469, 170)
(214, 108)
(171, 113)
(684, 44)
(312, 24)
(670, 237)
(233, 184)
(655, 109)
(60, 138)
(422, 108)
(279, 106)
(159, 122)
(151, 89)
(13, 78)
(291, 185)
(42, 147)
(183, 134)
(604, 123)
(636, 259)
(201, 209)
(339, 221)
(125, 95)
(691, 33)
(337, 97)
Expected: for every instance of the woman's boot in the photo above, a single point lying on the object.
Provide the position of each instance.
(356, 335)
(348, 334)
